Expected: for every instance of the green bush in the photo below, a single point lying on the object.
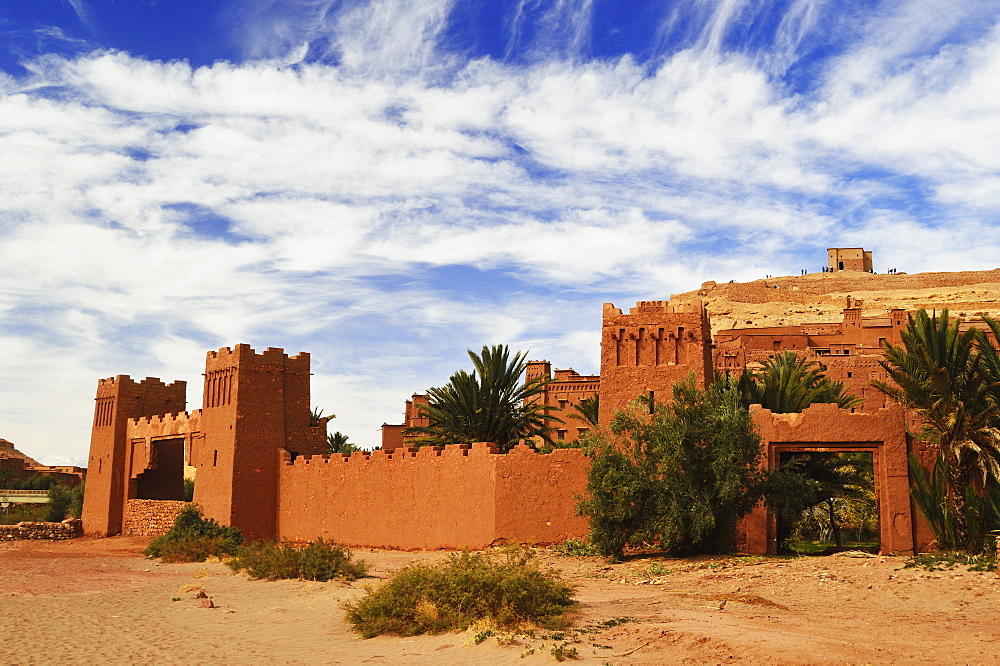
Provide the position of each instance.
(681, 475)
(24, 513)
(507, 589)
(982, 508)
(59, 502)
(194, 539)
(317, 560)
(34, 482)
(76, 500)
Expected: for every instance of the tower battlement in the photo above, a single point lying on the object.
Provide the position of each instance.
(245, 355)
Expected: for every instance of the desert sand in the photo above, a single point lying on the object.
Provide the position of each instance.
(99, 601)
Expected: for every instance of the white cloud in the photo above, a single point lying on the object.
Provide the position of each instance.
(150, 211)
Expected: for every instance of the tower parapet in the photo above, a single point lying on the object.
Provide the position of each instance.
(647, 350)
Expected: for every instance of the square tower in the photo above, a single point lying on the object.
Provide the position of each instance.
(848, 259)
(644, 352)
(254, 407)
(120, 399)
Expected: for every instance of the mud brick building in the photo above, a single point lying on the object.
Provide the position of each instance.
(260, 466)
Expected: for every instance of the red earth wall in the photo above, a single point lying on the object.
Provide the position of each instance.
(120, 399)
(433, 497)
(825, 427)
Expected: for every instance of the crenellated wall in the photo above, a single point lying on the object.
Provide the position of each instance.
(432, 497)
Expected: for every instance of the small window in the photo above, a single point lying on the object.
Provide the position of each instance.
(215, 458)
(850, 374)
(561, 435)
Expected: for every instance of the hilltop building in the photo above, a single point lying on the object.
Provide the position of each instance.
(16, 466)
(848, 259)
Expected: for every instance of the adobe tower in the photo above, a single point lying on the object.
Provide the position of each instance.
(647, 350)
(120, 399)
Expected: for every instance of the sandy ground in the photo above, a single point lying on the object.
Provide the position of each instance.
(98, 600)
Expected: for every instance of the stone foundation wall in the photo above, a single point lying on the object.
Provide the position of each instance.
(150, 517)
(67, 529)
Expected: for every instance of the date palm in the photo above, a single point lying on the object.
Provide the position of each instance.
(950, 379)
(789, 383)
(489, 404)
(587, 410)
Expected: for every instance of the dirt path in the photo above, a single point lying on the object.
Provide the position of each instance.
(91, 600)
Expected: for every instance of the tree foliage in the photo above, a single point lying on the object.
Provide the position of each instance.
(587, 410)
(682, 477)
(489, 404)
(789, 383)
(816, 480)
(336, 443)
(951, 379)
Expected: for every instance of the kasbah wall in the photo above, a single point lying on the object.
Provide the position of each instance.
(259, 463)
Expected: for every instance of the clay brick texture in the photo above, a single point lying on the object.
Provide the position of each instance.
(259, 466)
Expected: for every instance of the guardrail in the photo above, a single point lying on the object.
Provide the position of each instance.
(24, 496)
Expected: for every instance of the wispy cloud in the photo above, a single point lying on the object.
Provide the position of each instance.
(385, 203)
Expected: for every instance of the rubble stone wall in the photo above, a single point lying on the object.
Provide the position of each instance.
(67, 529)
(151, 517)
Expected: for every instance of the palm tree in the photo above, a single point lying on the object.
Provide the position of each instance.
(789, 383)
(490, 404)
(587, 410)
(337, 443)
(950, 379)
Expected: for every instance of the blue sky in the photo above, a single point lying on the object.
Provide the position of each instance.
(387, 183)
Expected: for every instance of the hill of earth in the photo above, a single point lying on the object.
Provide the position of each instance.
(820, 297)
(7, 450)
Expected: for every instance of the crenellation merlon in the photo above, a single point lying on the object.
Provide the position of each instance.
(244, 354)
(159, 419)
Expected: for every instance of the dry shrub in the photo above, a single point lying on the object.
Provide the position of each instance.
(508, 589)
(317, 560)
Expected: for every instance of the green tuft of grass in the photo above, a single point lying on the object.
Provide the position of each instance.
(575, 548)
(507, 588)
(942, 561)
(564, 651)
(194, 538)
(318, 560)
